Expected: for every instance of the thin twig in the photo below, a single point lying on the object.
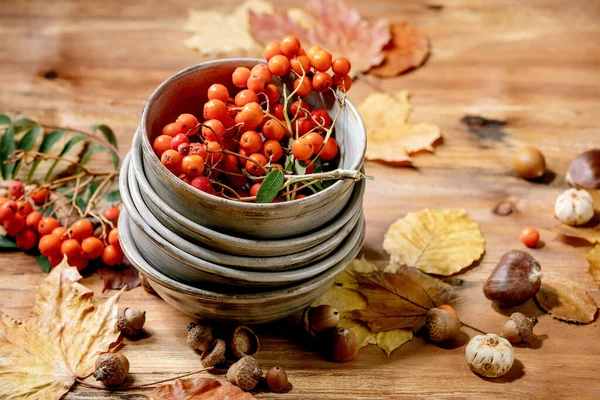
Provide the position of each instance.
(122, 389)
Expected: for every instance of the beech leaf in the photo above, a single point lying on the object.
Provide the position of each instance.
(59, 340)
(400, 300)
(440, 242)
(589, 232)
(270, 187)
(593, 257)
(199, 388)
(565, 299)
(408, 49)
(390, 138)
(331, 24)
(119, 278)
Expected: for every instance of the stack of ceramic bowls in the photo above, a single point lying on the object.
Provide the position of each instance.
(226, 260)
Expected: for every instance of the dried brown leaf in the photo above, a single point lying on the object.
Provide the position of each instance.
(589, 231)
(390, 138)
(331, 24)
(119, 278)
(593, 256)
(565, 299)
(199, 388)
(400, 300)
(59, 340)
(408, 49)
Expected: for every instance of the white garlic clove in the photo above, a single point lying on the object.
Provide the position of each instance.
(574, 207)
(490, 355)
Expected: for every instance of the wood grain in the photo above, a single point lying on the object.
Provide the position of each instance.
(534, 65)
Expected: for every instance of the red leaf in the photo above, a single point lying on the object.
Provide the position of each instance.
(408, 49)
(199, 388)
(119, 278)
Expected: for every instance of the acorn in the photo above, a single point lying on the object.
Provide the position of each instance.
(131, 321)
(214, 354)
(277, 379)
(245, 373)
(442, 324)
(111, 368)
(320, 319)
(199, 336)
(243, 342)
(519, 328)
(344, 344)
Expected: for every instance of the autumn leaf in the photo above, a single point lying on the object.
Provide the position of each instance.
(408, 49)
(216, 33)
(400, 300)
(331, 24)
(589, 232)
(387, 341)
(199, 388)
(565, 299)
(593, 257)
(390, 138)
(119, 278)
(441, 242)
(60, 339)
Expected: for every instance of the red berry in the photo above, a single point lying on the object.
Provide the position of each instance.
(8, 209)
(253, 165)
(112, 255)
(272, 150)
(219, 92)
(300, 65)
(70, 248)
(92, 247)
(162, 144)
(290, 46)
(302, 149)
(303, 86)
(321, 82)
(79, 262)
(237, 181)
(240, 76)
(32, 221)
(179, 139)
(39, 196)
(321, 61)
(204, 184)
(251, 115)
(26, 239)
(254, 189)
(279, 65)
(113, 236)
(342, 82)
(55, 259)
(171, 129)
(303, 126)
(16, 189)
(312, 51)
(277, 111)
(256, 83)
(47, 225)
(24, 207)
(188, 124)
(329, 151)
(192, 166)
(273, 130)
(111, 214)
(530, 237)
(49, 244)
(215, 109)
(61, 233)
(321, 117)
(341, 66)
(81, 229)
(198, 149)
(316, 140)
(261, 70)
(300, 106)
(273, 93)
(244, 97)
(251, 142)
(271, 49)
(171, 159)
(14, 225)
(214, 153)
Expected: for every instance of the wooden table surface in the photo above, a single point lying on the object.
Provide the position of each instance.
(534, 65)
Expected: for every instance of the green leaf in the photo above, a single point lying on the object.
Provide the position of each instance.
(88, 153)
(23, 124)
(80, 203)
(87, 194)
(48, 211)
(6, 243)
(7, 147)
(270, 187)
(26, 143)
(113, 197)
(5, 120)
(299, 168)
(44, 263)
(109, 135)
(72, 142)
(289, 164)
(49, 141)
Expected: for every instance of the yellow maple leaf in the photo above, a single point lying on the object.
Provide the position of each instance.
(60, 340)
(390, 137)
(593, 257)
(440, 242)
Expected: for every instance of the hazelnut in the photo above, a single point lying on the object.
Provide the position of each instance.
(515, 279)
(442, 325)
(320, 319)
(243, 342)
(131, 321)
(245, 373)
(344, 345)
(519, 328)
(277, 379)
(111, 368)
(529, 163)
(489, 355)
(584, 170)
(199, 336)
(214, 354)
(574, 207)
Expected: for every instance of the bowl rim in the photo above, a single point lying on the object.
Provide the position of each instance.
(211, 234)
(217, 201)
(170, 284)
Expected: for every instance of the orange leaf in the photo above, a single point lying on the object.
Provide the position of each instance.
(331, 24)
(565, 299)
(408, 49)
(199, 388)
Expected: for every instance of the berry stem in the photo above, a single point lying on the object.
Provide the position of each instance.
(324, 176)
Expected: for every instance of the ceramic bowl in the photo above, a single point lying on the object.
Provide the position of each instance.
(144, 222)
(232, 307)
(185, 92)
(208, 238)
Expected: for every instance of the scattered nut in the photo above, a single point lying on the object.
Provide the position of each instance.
(277, 379)
(584, 170)
(131, 321)
(243, 342)
(215, 354)
(519, 328)
(245, 373)
(529, 163)
(199, 336)
(442, 324)
(344, 345)
(574, 207)
(490, 355)
(320, 319)
(111, 368)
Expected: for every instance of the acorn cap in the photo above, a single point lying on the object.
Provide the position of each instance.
(215, 354)
(245, 373)
(243, 342)
(131, 321)
(199, 336)
(441, 324)
(524, 326)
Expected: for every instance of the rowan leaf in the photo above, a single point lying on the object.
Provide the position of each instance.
(59, 340)
(408, 49)
(441, 242)
(7, 243)
(68, 146)
(113, 196)
(7, 147)
(390, 138)
(331, 24)
(565, 299)
(43, 263)
(198, 388)
(49, 141)
(119, 278)
(24, 124)
(26, 143)
(593, 257)
(270, 187)
(110, 137)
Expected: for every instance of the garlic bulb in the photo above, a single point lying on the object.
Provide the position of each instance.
(490, 355)
(574, 207)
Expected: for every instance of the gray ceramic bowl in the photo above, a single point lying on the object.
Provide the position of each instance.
(145, 222)
(241, 246)
(185, 92)
(233, 307)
